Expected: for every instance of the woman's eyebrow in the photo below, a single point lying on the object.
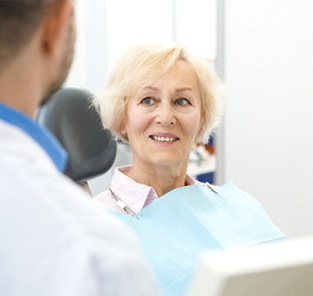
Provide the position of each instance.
(181, 89)
(148, 87)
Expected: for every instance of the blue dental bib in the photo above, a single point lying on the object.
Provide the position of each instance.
(175, 230)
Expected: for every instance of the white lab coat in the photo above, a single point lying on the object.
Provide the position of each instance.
(54, 241)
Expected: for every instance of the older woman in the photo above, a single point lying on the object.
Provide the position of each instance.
(161, 101)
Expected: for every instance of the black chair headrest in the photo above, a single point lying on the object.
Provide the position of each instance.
(71, 117)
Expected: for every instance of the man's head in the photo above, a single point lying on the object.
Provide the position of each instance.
(40, 34)
(18, 22)
(65, 62)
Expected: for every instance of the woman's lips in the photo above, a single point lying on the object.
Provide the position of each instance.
(164, 138)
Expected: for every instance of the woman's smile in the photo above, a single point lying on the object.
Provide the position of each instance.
(164, 137)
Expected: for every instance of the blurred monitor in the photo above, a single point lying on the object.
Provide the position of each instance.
(276, 269)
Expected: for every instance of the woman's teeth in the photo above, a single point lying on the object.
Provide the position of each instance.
(163, 139)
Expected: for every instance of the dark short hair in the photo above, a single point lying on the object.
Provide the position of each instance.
(19, 20)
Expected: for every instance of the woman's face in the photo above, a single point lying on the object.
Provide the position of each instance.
(163, 119)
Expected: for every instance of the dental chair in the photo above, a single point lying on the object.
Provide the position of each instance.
(71, 117)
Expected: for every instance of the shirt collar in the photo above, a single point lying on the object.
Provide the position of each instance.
(132, 193)
(135, 195)
(40, 134)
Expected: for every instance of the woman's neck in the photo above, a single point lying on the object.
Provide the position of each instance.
(162, 178)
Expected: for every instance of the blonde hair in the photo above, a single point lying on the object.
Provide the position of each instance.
(147, 63)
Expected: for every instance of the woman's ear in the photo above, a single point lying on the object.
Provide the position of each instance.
(123, 120)
(123, 134)
(201, 129)
(122, 129)
(56, 23)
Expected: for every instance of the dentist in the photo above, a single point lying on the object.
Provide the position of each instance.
(54, 241)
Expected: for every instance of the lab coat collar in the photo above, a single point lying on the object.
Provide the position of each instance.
(40, 134)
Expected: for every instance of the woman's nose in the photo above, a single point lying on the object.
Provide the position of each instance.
(166, 115)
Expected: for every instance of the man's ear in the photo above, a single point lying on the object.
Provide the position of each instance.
(55, 26)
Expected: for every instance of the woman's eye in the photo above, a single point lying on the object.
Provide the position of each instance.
(148, 101)
(182, 102)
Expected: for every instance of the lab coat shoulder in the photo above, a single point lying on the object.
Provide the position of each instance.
(57, 242)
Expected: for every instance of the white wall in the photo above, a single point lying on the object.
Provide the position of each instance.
(107, 28)
(268, 125)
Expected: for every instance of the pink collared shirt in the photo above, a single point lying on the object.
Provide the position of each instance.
(135, 195)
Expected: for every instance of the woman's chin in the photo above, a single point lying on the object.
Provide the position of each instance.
(167, 162)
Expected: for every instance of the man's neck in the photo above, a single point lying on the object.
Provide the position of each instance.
(19, 87)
